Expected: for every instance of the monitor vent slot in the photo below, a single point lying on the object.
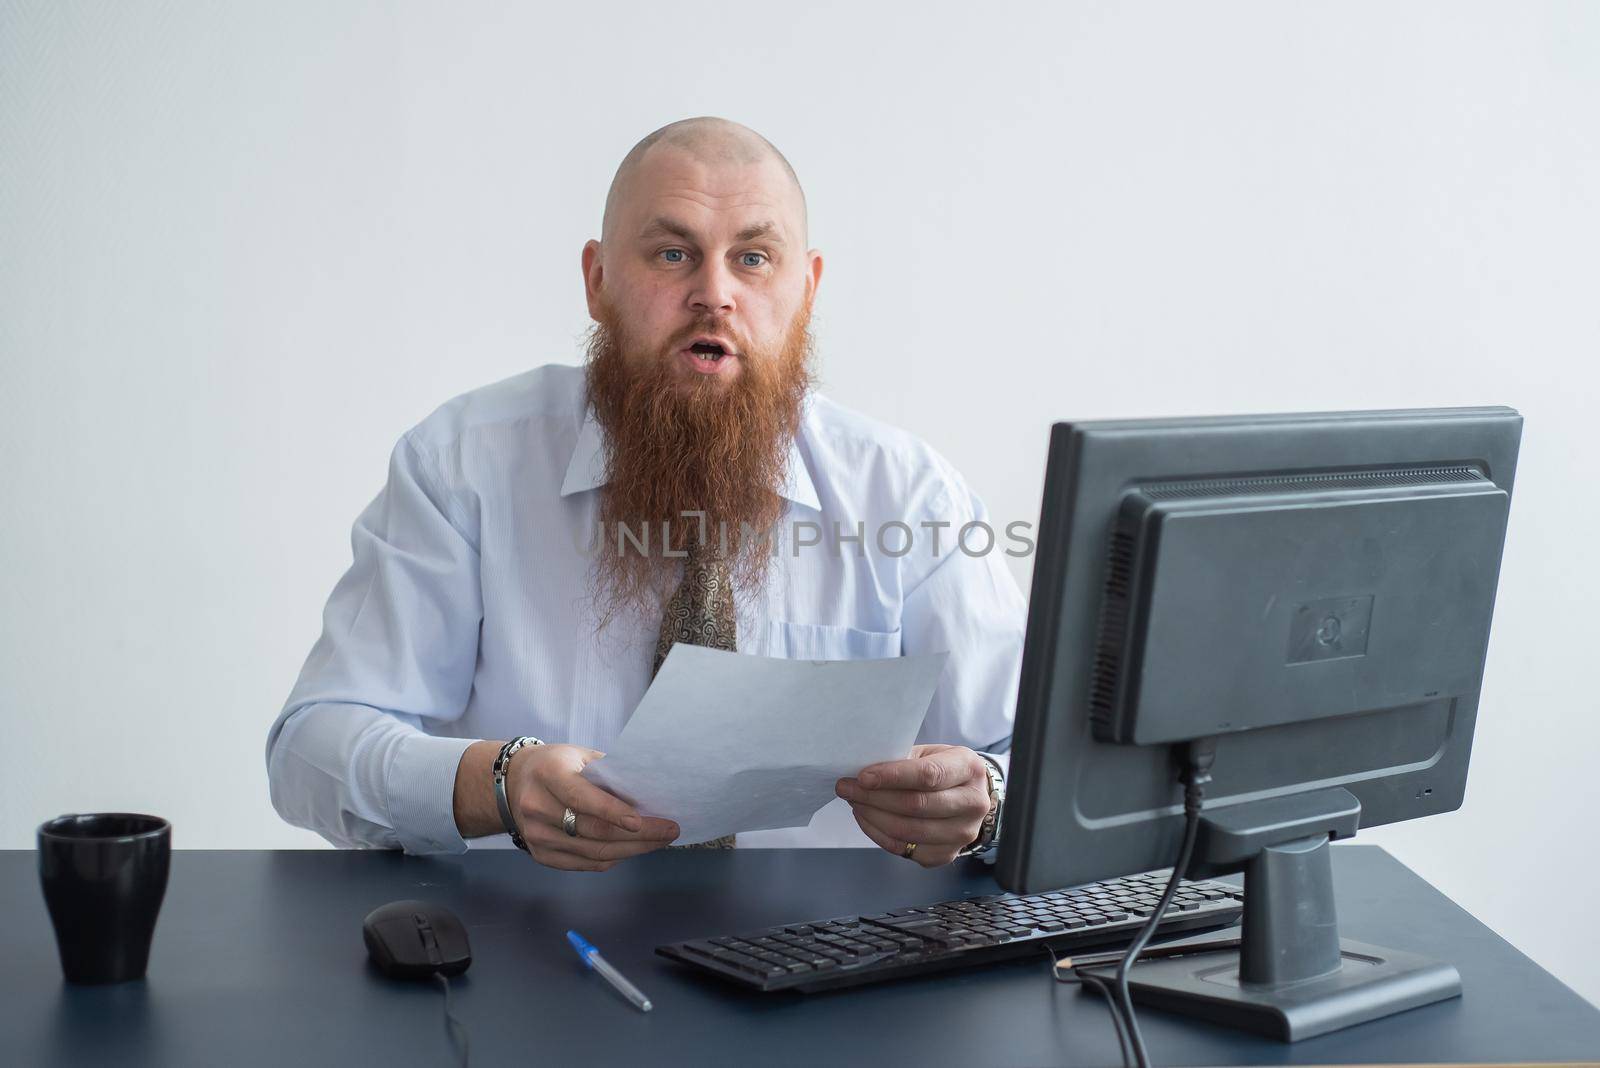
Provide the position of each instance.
(1112, 631)
(1227, 487)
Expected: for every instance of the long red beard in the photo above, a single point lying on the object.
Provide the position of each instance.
(680, 443)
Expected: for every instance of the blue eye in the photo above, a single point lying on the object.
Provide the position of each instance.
(759, 254)
(673, 251)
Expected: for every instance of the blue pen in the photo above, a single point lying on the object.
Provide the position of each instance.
(593, 959)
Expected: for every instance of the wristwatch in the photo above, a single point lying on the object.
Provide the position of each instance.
(502, 764)
(989, 831)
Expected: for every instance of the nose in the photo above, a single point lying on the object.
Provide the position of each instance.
(712, 290)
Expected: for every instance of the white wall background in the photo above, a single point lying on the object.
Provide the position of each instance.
(243, 247)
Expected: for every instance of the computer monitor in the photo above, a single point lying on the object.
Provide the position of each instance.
(1312, 592)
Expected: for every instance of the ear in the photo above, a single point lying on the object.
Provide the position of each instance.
(591, 277)
(813, 272)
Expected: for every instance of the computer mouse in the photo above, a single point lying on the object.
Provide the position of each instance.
(415, 939)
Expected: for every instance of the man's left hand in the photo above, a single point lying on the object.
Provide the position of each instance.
(936, 798)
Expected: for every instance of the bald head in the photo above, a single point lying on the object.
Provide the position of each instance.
(704, 236)
(707, 139)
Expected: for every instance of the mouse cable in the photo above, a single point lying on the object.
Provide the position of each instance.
(452, 1026)
(1197, 758)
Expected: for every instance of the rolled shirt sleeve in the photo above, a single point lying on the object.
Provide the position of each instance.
(348, 756)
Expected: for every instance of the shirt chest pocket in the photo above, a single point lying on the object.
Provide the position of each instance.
(818, 641)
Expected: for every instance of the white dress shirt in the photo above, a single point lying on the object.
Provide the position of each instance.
(465, 613)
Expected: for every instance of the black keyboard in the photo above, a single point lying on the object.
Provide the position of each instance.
(827, 954)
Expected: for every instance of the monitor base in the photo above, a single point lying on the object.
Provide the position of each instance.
(1292, 976)
(1371, 982)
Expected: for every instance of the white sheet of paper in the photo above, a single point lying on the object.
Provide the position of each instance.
(725, 742)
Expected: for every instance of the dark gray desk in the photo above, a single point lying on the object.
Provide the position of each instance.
(258, 959)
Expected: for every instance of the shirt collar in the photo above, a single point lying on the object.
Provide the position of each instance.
(586, 470)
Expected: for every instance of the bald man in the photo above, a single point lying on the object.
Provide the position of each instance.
(541, 543)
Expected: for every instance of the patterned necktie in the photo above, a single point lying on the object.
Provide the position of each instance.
(699, 612)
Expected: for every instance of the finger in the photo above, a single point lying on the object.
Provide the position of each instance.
(547, 838)
(563, 861)
(887, 842)
(543, 806)
(929, 856)
(936, 771)
(546, 815)
(923, 832)
(932, 804)
(581, 795)
(653, 830)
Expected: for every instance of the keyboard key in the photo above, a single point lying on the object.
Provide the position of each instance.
(915, 926)
(794, 953)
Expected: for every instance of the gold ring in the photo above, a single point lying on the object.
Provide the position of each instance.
(911, 847)
(569, 823)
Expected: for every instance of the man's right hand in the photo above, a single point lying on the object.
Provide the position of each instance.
(543, 781)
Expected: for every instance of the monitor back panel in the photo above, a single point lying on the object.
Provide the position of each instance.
(1325, 653)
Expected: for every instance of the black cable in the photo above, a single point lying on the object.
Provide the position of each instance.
(1198, 756)
(452, 1026)
(1099, 986)
(1190, 827)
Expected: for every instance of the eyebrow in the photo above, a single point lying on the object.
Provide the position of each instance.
(662, 224)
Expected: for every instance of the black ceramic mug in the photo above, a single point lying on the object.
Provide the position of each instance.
(104, 876)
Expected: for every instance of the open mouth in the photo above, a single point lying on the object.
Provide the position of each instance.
(708, 356)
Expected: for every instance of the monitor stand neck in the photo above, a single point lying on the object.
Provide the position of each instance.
(1292, 976)
(1290, 931)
